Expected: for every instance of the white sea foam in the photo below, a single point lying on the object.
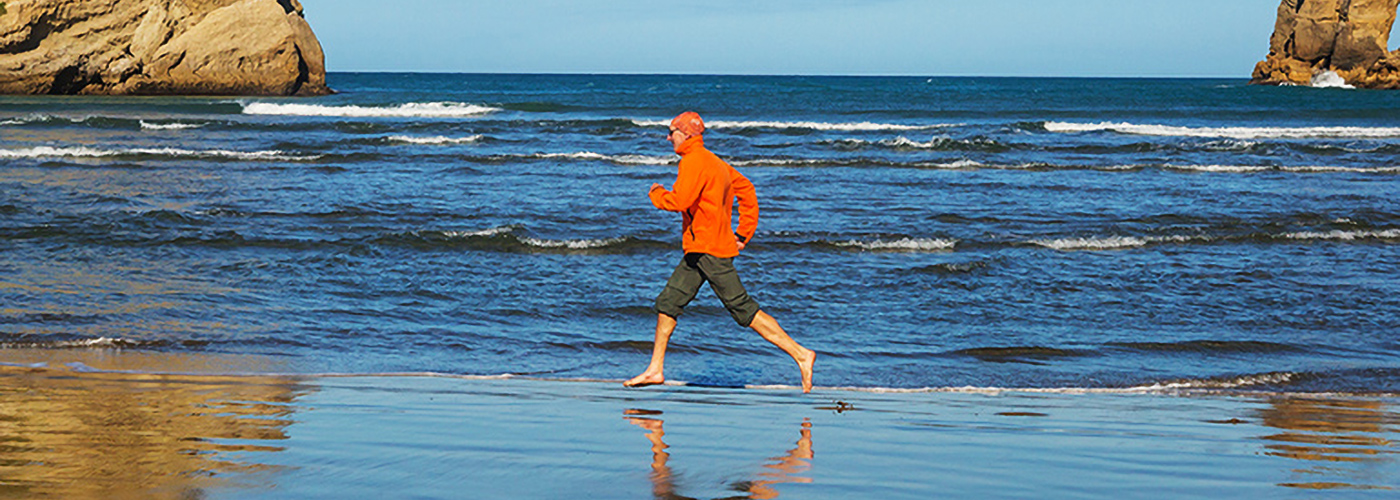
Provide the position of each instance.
(824, 126)
(1229, 145)
(169, 126)
(1108, 243)
(1302, 169)
(476, 234)
(1115, 242)
(1329, 80)
(100, 342)
(435, 140)
(1230, 132)
(619, 159)
(413, 109)
(571, 244)
(812, 162)
(958, 165)
(39, 118)
(1339, 235)
(905, 142)
(1223, 383)
(86, 152)
(577, 244)
(902, 245)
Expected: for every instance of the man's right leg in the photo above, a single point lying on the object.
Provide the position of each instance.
(680, 289)
(655, 372)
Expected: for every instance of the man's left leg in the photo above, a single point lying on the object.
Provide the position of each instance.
(806, 358)
(724, 279)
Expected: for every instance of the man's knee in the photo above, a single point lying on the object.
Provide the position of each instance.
(671, 302)
(744, 317)
(742, 307)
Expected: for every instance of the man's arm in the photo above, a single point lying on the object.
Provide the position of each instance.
(748, 206)
(686, 193)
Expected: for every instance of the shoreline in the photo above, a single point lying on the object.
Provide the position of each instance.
(234, 366)
(78, 432)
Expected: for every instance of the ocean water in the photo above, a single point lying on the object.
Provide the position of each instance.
(921, 234)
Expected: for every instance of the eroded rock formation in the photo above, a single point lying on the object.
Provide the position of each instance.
(1344, 36)
(144, 47)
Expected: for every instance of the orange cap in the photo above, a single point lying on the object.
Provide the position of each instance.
(689, 123)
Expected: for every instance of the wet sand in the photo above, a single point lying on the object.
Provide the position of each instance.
(85, 431)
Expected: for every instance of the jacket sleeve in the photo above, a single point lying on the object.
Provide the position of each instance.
(686, 191)
(748, 205)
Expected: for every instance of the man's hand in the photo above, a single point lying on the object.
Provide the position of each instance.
(742, 245)
(655, 186)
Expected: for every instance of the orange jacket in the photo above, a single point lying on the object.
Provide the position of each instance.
(704, 194)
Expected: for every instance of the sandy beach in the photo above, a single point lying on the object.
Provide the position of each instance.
(81, 424)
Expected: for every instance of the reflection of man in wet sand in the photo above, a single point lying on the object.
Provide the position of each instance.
(782, 469)
(662, 484)
(704, 193)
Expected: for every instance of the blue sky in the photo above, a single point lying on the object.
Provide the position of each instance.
(813, 37)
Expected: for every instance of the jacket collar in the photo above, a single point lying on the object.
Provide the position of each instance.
(691, 145)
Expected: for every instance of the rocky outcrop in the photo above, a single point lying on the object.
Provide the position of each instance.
(1348, 37)
(165, 47)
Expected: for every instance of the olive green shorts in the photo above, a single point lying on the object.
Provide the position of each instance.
(694, 270)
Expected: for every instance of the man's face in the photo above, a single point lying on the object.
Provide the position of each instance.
(676, 137)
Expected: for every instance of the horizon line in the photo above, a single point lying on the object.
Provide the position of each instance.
(817, 75)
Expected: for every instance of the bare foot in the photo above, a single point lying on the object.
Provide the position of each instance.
(806, 367)
(645, 379)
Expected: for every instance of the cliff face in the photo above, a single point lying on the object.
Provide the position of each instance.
(1345, 36)
(146, 47)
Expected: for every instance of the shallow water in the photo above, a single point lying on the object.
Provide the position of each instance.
(920, 233)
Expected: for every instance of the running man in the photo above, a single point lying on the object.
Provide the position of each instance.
(704, 194)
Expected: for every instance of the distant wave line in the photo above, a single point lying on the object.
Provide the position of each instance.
(436, 140)
(409, 110)
(825, 126)
(85, 152)
(1230, 132)
(572, 244)
(902, 245)
(1126, 242)
(591, 156)
(169, 126)
(191, 230)
(959, 164)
